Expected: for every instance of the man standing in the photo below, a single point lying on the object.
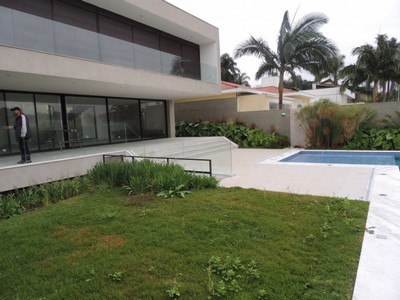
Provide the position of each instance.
(22, 134)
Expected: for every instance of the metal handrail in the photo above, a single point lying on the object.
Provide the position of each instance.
(168, 159)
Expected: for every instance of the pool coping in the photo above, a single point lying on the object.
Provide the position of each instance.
(278, 159)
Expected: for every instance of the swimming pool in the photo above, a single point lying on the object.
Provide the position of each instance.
(345, 157)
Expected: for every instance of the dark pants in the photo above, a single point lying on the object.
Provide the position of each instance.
(24, 149)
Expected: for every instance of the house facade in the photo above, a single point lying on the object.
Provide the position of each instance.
(100, 71)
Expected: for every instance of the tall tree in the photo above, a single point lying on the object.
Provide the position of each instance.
(300, 47)
(378, 66)
(231, 73)
(331, 69)
(242, 78)
(229, 68)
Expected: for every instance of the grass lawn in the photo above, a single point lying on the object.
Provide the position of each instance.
(106, 245)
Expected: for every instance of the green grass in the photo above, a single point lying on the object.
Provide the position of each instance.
(106, 245)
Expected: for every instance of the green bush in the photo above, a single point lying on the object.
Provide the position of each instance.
(237, 132)
(328, 125)
(32, 197)
(375, 139)
(137, 177)
(148, 177)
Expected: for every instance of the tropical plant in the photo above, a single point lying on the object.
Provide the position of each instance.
(379, 66)
(242, 79)
(331, 69)
(328, 125)
(300, 47)
(237, 132)
(231, 73)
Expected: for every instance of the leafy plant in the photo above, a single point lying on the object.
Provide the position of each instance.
(262, 295)
(237, 132)
(116, 276)
(328, 125)
(178, 192)
(173, 292)
(226, 277)
(375, 139)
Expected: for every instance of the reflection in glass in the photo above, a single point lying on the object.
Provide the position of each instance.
(4, 142)
(154, 123)
(124, 120)
(25, 102)
(32, 32)
(87, 118)
(48, 110)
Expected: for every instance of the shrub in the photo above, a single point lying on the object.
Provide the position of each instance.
(375, 139)
(146, 176)
(137, 177)
(31, 197)
(111, 174)
(236, 132)
(328, 125)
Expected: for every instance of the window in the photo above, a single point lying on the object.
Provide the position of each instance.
(154, 124)
(75, 16)
(86, 117)
(26, 103)
(124, 120)
(49, 119)
(4, 141)
(41, 8)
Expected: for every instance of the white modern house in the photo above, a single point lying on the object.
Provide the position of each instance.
(333, 94)
(104, 71)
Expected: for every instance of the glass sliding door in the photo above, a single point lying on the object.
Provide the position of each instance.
(48, 110)
(4, 139)
(86, 117)
(26, 103)
(124, 120)
(154, 123)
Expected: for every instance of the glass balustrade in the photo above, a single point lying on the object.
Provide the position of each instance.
(31, 32)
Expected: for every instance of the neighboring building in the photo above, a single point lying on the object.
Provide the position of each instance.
(333, 94)
(103, 71)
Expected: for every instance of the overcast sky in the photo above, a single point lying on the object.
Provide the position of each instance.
(352, 23)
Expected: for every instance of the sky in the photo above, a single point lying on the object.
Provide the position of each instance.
(352, 23)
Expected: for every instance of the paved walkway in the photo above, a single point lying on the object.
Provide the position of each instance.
(378, 275)
(252, 170)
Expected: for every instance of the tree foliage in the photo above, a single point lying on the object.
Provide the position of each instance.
(378, 66)
(301, 46)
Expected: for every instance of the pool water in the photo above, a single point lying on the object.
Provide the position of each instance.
(346, 157)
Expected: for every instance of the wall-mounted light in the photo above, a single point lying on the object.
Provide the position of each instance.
(283, 114)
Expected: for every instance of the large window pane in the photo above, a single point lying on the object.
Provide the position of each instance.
(124, 120)
(48, 109)
(4, 144)
(88, 117)
(153, 119)
(25, 102)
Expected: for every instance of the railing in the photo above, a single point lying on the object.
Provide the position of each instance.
(166, 159)
(27, 31)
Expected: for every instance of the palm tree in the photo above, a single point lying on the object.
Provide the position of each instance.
(242, 78)
(300, 46)
(229, 69)
(377, 65)
(332, 69)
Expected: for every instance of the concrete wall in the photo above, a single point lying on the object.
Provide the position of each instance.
(252, 103)
(383, 109)
(39, 173)
(217, 110)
